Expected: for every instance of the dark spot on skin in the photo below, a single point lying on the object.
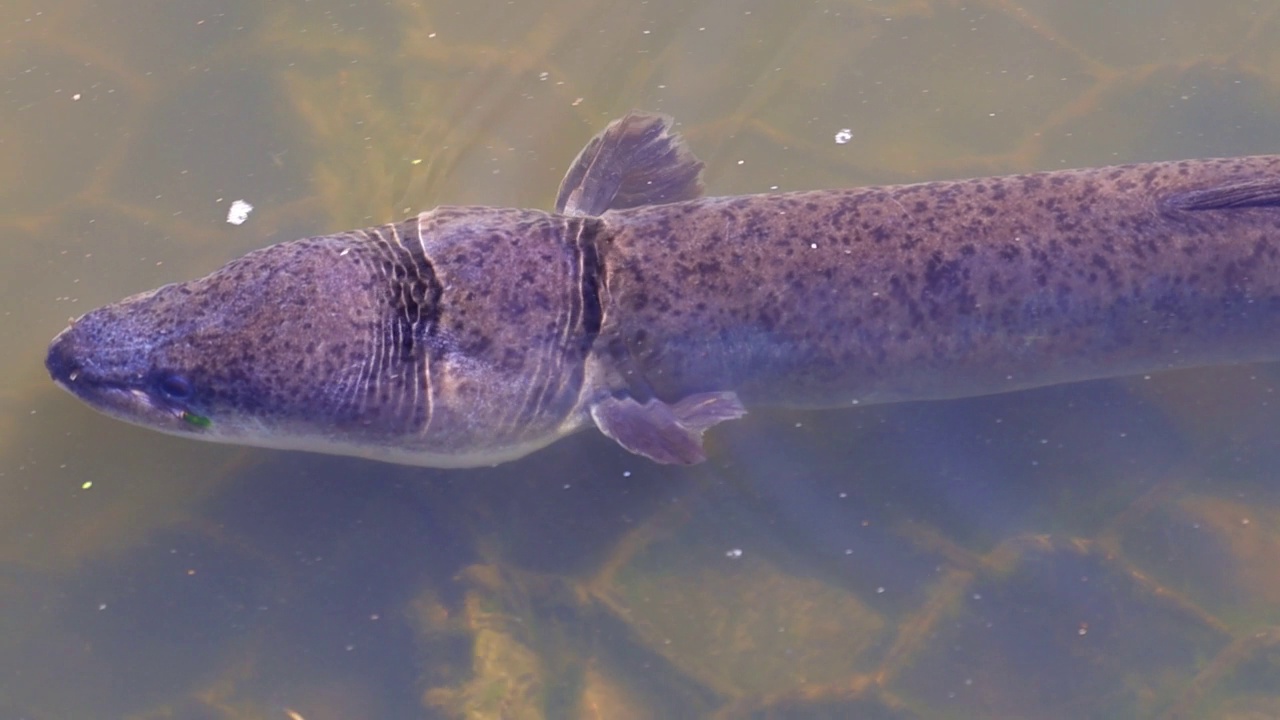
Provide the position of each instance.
(1009, 252)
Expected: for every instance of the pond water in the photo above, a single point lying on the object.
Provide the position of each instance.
(1104, 549)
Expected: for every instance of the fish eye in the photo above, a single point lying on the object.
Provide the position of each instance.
(174, 386)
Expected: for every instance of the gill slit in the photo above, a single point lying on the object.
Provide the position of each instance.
(409, 387)
(544, 380)
(428, 387)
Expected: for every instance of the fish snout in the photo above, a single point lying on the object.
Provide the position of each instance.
(63, 362)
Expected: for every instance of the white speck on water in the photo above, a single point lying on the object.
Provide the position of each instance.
(239, 212)
(813, 246)
(734, 553)
(626, 473)
(843, 135)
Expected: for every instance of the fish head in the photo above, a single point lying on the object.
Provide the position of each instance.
(237, 356)
(452, 339)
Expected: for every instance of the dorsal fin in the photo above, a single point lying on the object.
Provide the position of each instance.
(1248, 194)
(636, 160)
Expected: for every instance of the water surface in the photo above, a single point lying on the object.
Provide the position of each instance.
(1096, 550)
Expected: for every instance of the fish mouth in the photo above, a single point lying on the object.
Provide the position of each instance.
(121, 398)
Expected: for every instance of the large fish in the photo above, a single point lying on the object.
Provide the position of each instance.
(475, 335)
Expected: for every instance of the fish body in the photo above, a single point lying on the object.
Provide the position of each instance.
(475, 335)
(951, 289)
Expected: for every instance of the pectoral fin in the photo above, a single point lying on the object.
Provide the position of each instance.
(636, 160)
(665, 433)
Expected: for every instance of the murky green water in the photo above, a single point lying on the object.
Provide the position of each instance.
(1098, 550)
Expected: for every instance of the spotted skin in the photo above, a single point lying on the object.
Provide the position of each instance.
(948, 289)
(473, 335)
(453, 338)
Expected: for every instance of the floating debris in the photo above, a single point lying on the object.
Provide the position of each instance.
(239, 212)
